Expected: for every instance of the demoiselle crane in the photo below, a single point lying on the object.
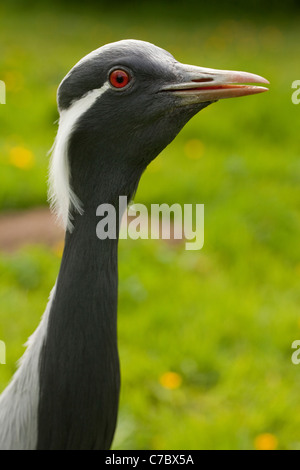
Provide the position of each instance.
(119, 106)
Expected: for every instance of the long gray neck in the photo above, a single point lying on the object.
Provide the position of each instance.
(79, 367)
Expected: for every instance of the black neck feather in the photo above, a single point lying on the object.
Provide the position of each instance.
(79, 368)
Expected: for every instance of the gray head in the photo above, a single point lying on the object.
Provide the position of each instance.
(119, 107)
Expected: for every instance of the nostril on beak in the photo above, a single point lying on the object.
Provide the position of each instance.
(203, 80)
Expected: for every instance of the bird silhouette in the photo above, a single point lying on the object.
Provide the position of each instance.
(119, 107)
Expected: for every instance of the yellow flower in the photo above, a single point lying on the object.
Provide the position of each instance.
(194, 149)
(13, 80)
(21, 158)
(155, 166)
(266, 441)
(170, 380)
(58, 249)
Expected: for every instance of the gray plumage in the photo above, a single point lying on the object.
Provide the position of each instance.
(65, 392)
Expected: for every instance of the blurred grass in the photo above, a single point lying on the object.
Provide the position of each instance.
(223, 319)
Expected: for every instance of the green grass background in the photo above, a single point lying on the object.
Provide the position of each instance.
(223, 318)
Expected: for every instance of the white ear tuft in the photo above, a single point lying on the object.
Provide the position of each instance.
(61, 196)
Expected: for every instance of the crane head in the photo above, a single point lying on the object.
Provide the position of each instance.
(120, 106)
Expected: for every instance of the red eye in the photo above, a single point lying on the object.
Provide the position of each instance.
(119, 78)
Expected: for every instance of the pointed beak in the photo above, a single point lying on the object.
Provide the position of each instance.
(198, 84)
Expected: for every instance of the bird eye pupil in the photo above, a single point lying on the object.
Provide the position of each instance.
(119, 78)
